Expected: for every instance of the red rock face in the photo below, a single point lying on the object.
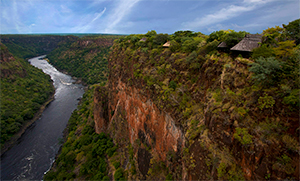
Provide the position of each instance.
(100, 109)
(145, 121)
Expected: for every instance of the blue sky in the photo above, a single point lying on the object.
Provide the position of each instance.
(140, 16)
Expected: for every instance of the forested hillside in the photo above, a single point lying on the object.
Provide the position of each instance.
(188, 110)
(28, 46)
(85, 58)
(24, 89)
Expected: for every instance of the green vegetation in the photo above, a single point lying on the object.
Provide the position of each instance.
(83, 155)
(266, 71)
(230, 37)
(28, 46)
(85, 58)
(217, 96)
(243, 136)
(24, 89)
(234, 111)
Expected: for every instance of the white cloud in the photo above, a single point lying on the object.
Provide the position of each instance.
(84, 28)
(225, 13)
(98, 15)
(122, 9)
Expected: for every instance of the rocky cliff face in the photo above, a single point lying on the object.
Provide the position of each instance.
(134, 117)
(194, 116)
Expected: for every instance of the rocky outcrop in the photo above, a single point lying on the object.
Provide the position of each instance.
(146, 122)
(195, 116)
(100, 109)
(134, 117)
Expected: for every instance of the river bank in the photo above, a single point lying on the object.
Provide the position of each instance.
(37, 115)
(33, 150)
(77, 80)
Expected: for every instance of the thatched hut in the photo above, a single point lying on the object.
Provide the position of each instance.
(223, 47)
(143, 39)
(248, 43)
(166, 45)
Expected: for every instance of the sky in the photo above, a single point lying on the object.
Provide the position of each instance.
(141, 16)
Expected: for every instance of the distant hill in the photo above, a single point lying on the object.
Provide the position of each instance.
(85, 58)
(27, 46)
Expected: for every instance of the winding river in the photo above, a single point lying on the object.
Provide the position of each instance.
(35, 151)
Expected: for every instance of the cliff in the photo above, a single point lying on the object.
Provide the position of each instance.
(188, 111)
(193, 113)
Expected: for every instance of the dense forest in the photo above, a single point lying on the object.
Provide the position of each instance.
(85, 58)
(28, 46)
(239, 113)
(24, 89)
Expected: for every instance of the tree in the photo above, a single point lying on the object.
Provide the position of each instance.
(217, 35)
(292, 31)
(263, 51)
(160, 39)
(266, 71)
(284, 49)
(234, 38)
(273, 35)
(151, 33)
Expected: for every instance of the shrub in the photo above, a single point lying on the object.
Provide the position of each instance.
(172, 84)
(221, 170)
(105, 178)
(169, 177)
(266, 71)
(262, 51)
(292, 98)
(284, 163)
(116, 164)
(243, 136)
(291, 143)
(266, 102)
(119, 174)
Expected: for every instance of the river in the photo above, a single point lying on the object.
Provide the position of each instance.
(35, 151)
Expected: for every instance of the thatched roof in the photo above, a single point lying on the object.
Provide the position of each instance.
(222, 45)
(167, 44)
(248, 43)
(143, 39)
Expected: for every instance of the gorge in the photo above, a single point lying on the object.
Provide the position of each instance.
(35, 152)
(186, 111)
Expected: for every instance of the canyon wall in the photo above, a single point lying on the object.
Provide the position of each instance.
(195, 115)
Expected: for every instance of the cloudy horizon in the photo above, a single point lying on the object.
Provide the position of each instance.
(141, 16)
